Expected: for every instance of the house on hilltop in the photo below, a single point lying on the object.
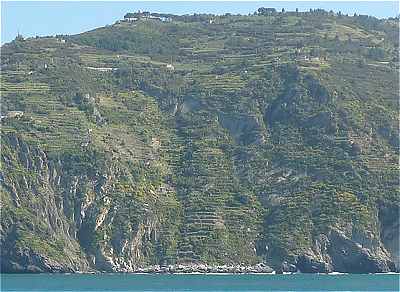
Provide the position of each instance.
(132, 17)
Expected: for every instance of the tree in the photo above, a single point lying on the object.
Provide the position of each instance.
(19, 38)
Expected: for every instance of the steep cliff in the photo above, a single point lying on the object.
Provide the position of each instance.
(269, 139)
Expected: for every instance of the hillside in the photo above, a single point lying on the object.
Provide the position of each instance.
(221, 140)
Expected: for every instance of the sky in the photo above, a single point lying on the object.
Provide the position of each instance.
(58, 17)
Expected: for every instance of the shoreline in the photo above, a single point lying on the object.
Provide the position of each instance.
(199, 273)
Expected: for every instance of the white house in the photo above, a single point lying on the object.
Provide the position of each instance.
(130, 19)
(165, 19)
(170, 67)
(15, 114)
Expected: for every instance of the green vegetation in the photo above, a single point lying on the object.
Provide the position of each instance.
(200, 139)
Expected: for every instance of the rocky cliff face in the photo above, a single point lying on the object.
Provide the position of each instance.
(55, 248)
(59, 222)
(337, 252)
(250, 150)
(390, 228)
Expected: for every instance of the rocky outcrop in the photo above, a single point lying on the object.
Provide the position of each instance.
(75, 211)
(28, 261)
(389, 215)
(336, 252)
(244, 129)
(34, 223)
(205, 268)
(351, 255)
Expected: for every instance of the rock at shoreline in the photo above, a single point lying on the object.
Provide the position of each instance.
(202, 268)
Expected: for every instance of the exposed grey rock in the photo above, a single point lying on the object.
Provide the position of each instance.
(288, 267)
(389, 215)
(337, 252)
(307, 264)
(244, 129)
(27, 261)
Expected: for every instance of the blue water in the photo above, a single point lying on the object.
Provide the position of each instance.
(129, 282)
(70, 17)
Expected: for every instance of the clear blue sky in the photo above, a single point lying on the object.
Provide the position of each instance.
(58, 17)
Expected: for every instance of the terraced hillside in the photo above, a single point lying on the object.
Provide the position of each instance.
(270, 138)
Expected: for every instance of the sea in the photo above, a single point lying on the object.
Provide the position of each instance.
(199, 282)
